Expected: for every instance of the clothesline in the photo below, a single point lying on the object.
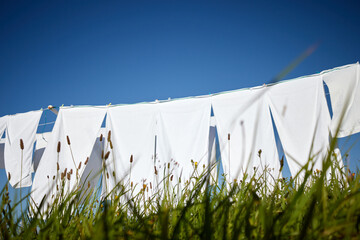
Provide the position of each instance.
(214, 94)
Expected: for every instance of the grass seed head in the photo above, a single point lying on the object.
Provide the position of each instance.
(68, 140)
(107, 155)
(101, 137)
(131, 158)
(21, 144)
(86, 161)
(59, 147)
(109, 136)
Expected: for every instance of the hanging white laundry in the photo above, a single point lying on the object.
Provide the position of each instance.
(246, 135)
(2, 147)
(41, 142)
(19, 145)
(69, 147)
(131, 160)
(302, 119)
(212, 152)
(183, 139)
(92, 171)
(344, 88)
(3, 121)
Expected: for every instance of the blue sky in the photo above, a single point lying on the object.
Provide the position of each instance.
(94, 53)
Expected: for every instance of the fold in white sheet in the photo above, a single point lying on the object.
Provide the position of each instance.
(18, 162)
(183, 138)
(244, 128)
(2, 140)
(41, 143)
(302, 119)
(133, 130)
(344, 88)
(3, 122)
(82, 125)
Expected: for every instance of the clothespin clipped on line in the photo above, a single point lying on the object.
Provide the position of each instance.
(53, 109)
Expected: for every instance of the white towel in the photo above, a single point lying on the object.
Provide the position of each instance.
(244, 129)
(82, 125)
(18, 162)
(302, 119)
(344, 88)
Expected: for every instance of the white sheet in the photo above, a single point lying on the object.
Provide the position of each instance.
(244, 127)
(344, 88)
(3, 121)
(133, 130)
(18, 162)
(82, 125)
(302, 119)
(41, 142)
(2, 146)
(183, 138)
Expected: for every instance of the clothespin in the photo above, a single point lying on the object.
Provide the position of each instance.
(52, 108)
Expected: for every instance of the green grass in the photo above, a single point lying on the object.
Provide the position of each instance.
(321, 207)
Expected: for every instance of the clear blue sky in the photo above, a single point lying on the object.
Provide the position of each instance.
(85, 52)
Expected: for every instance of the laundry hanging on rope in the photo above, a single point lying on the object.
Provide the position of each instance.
(19, 144)
(246, 136)
(67, 153)
(302, 119)
(344, 88)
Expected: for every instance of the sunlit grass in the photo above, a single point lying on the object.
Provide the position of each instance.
(322, 206)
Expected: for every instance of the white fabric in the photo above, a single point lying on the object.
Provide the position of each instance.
(82, 125)
(133, 130)
(212, 155)
(245, 116)
(344, 88)
(2, 146)
(92, 172)
(183, 137)
(3, 121)
(302, 119)
(41, 142)
(18, 162)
